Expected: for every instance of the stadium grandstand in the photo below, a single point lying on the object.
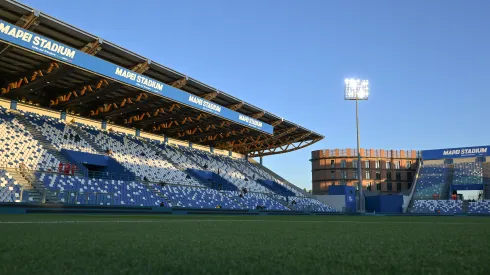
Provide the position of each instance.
(453, 181)
(86, 122)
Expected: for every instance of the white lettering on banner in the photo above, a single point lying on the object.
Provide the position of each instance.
(250, 121)
(126, 73)
(49, 46)
(139, 78)
(204, 103)
(482, 150)
(149, 82)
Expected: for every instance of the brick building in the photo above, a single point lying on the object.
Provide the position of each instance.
(386, 171)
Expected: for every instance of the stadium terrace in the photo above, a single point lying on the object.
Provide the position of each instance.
(86, 122)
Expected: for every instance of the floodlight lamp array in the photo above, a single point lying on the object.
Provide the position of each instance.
(356, 89)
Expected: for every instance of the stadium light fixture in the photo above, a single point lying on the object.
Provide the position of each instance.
(357, 89)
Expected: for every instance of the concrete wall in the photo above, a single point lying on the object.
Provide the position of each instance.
(5, 103)
(152, 136)
(37, 110)
(221, 152)
(178, 142)
(120, 129)
(406, 202)
(199, 147)
(90, 122)
(335, 201)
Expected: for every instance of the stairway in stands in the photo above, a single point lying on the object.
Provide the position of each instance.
(151, 187)
(36, 189)
(277, 198)
(486, 180)
(486, 191)
(267, 170)
(158, 150)
(85, 137)
(37, 135)
(465, 206)
(446, 188)
(35, 195)
(189, 157)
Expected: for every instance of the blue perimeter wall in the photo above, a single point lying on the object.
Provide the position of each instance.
(385, 204)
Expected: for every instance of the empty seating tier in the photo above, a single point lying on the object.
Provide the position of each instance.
(162, 173)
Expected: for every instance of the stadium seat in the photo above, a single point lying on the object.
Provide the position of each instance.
(479, 207)
(20, 147)
(61, 135)
(430, 181)
(145, 158)
(438, 206)
(79, 190)
(10, 190)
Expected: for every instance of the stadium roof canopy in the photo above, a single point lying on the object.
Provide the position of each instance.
(31, 75)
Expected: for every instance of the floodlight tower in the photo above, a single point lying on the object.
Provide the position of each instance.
(356, 89)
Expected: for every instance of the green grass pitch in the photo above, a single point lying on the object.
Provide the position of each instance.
(106, 244)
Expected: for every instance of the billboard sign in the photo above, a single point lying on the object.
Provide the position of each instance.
(463, 152)
(52, 49)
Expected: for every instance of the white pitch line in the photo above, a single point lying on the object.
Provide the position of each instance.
(234, 220)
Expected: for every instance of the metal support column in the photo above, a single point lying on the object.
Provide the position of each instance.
(359, 164)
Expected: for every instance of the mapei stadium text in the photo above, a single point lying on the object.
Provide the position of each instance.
(465, 151)
(139, 78)
(37, 41)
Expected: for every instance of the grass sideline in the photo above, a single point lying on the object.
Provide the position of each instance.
(123, 244)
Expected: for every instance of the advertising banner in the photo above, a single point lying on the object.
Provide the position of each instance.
(36, 43)
(464, 152)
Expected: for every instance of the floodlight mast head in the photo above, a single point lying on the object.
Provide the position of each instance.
(356, 89)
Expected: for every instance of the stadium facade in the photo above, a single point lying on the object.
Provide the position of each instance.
(385, 171)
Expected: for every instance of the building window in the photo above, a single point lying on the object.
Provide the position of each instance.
(399, 186)
(343, 164)
(409, 176)
(332, 163)
(367, 164)
(369, 187)
(397, 165)
(355, 176)
(390, 187)
(388, 175)
(343, 182)
(378, 186)
(354, 164)
(377, 164)
(409, 164)
(398, 176)
(332, 174)
(378, 175)
(388, 165)
(368, 175)
(343, 174)
(409, 185)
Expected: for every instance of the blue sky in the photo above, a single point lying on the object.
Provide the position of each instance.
(428, 62)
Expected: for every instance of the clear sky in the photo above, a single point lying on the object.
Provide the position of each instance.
(428, 62)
